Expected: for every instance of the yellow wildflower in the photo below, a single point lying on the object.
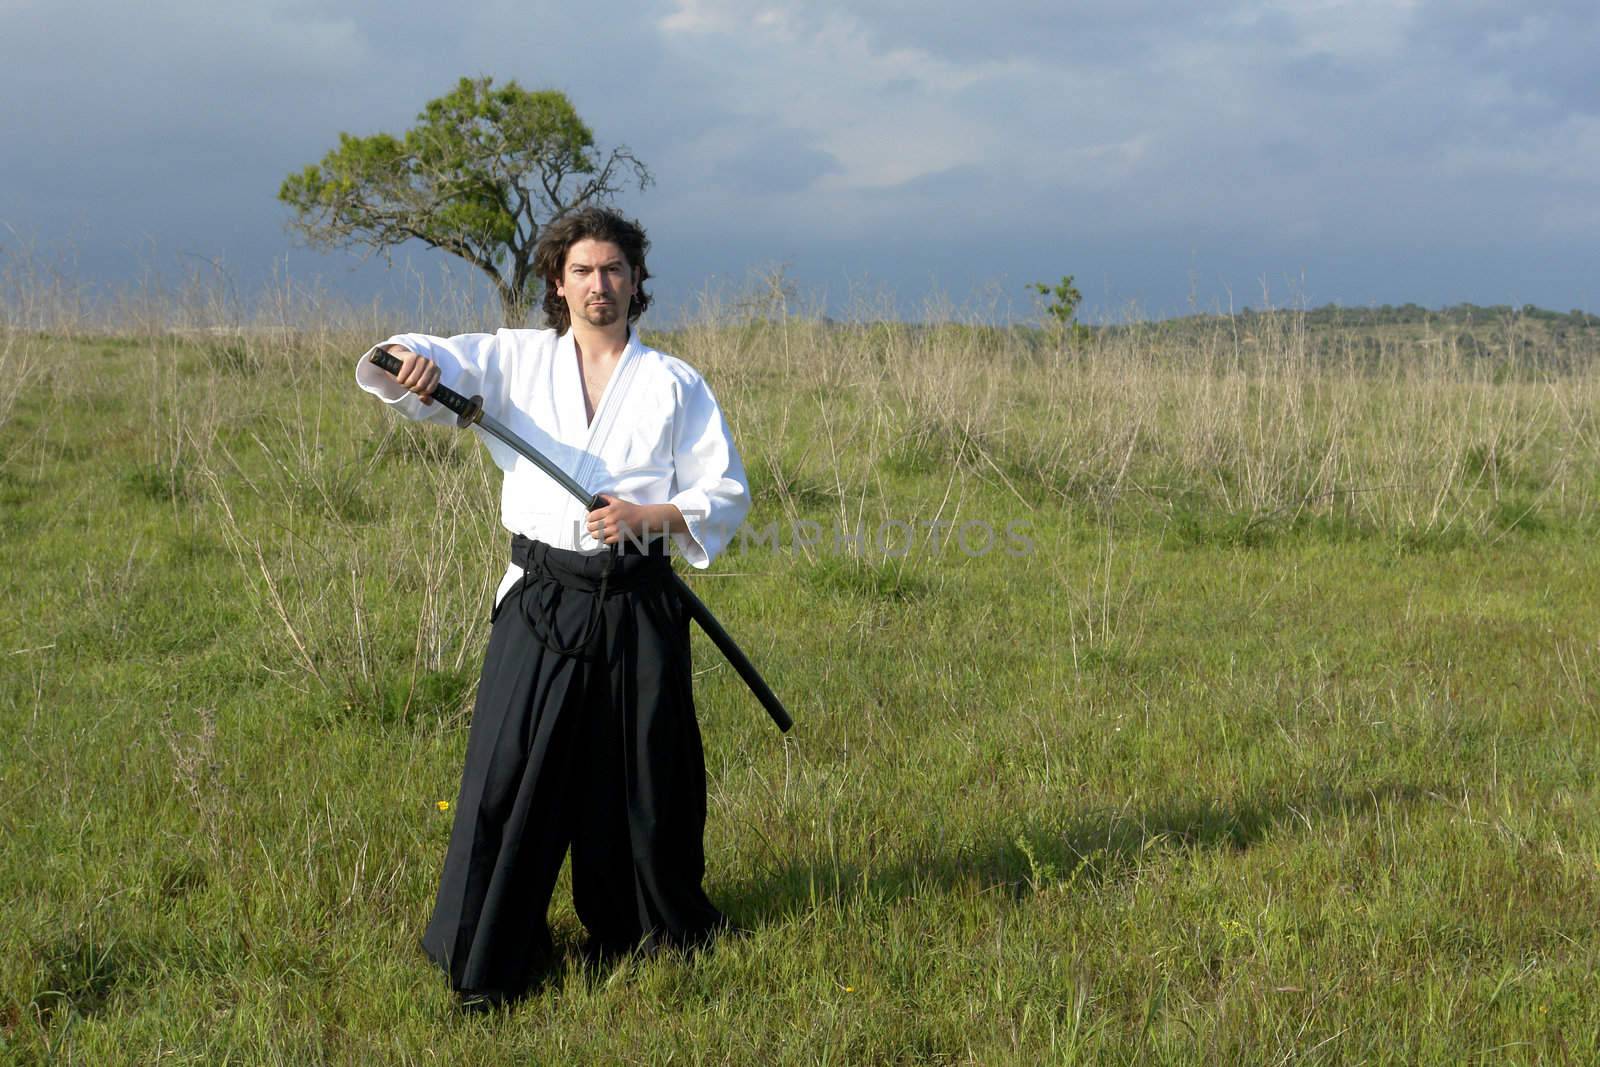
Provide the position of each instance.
(443, 805)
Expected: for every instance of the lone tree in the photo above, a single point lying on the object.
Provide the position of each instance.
(1059, 303)
(478, 176)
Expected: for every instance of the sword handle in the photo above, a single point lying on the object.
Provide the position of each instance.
(467, 409)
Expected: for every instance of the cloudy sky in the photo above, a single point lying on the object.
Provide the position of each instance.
(1168, 154)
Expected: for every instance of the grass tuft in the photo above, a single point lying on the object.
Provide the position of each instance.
(871, 578)
(400, 698)
(77, 976)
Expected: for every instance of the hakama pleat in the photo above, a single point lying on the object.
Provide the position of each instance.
(583, 735)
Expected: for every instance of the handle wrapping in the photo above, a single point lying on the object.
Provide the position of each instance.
(467, 409)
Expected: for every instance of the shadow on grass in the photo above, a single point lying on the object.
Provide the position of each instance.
(1029, 857)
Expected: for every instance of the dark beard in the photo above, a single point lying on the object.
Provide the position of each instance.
(602, 314)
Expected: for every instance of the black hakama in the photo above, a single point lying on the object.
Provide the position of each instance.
(583, 734)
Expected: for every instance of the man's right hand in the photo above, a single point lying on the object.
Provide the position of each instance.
(417, 373)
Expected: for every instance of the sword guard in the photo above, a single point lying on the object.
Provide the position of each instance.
(468, 414)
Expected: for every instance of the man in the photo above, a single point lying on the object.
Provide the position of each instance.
(584, 731)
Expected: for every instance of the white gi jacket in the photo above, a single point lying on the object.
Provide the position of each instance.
(658, 436)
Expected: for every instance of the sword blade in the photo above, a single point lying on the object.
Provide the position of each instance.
(497, 429)
(693, 604)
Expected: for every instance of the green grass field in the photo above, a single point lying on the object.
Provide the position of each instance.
(1279, 746)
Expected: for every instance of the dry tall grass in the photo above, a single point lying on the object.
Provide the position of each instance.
(14, 368)
(1262, 421)
(1229, 430)
(258, 400)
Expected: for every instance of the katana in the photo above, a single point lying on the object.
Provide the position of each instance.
(469, 412)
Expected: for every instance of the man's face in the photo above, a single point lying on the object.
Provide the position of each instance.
(596, 282)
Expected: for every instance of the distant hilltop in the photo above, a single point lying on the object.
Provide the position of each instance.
(1529, 335)
(1415, 314)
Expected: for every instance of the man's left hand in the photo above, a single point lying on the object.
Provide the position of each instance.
(618, 519)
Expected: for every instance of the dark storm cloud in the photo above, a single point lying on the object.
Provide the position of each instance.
(1545, 51)
(1102, 32)
(1430, 151)
(772, 163)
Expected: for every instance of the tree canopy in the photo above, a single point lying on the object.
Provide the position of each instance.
(484, 169)
(1060, 306)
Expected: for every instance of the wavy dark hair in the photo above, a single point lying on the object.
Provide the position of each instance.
(588, 223)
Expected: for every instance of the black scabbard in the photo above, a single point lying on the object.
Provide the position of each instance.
(734, 654)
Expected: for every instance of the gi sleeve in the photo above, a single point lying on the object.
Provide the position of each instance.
(469, 364)
(709, 485)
